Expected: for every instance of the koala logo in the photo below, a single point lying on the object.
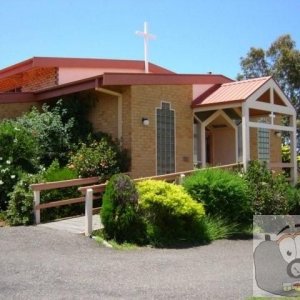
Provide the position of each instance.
(277, 262)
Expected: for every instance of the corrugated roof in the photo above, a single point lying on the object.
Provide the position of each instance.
(44, 62)
(233, 92)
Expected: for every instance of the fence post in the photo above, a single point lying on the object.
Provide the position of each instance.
(88, 212)
(37, 212)
(181, 178)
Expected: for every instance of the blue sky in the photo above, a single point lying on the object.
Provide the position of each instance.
(193, 36)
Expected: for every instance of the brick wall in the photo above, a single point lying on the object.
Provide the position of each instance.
(11, 111)
(32, 80)
(275, 144)
(104, 115)
(144, 101)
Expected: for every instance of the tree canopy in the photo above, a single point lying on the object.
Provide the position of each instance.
(281, 60)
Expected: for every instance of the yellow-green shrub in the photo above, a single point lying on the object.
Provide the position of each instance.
(170, 214)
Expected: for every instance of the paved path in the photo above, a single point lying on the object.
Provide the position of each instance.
(73, 225)
(43, 263)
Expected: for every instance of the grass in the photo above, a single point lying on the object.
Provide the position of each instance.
(219, 228)
(99, 238)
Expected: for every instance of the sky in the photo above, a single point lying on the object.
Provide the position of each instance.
(192, 36)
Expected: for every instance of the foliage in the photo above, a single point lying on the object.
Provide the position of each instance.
(286, 153)
(52, 134)
(57, 173)
(20, 208)
(170, 214)
(99, 158)
(122, 157)
(270, 193)
(119, 213)
(77, 107)
(218, 228)
(281, 60)
(224, 194)
(18, 151)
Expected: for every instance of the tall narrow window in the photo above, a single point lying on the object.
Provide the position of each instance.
(165, 139)
(263, 144)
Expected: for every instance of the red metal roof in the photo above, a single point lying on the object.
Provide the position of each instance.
(237, 91)
(115, 79)
(162, 79)
(43, 62)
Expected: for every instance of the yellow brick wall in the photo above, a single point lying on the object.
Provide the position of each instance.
(104, 114)
(126, 111)
(253, 144)
(13, 110)
(144, 101)
(275, 146)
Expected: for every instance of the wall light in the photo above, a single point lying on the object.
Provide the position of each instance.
(145, 121)
(278, 133)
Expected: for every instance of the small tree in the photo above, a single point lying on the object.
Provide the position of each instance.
(52, 134)
(281, 60)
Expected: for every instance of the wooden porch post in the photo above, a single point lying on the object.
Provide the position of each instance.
(293, 149)
(203, 146)
(245, 135)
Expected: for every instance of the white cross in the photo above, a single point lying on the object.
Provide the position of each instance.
(147, 36)
(272, 116)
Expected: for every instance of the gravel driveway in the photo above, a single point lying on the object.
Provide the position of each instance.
(42, 263)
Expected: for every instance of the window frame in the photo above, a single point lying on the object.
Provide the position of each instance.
(156, 137)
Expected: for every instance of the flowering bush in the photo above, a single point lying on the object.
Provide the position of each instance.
(51, 133)
(20, 206)
(18, 152)
(8, 178)
(99, 158)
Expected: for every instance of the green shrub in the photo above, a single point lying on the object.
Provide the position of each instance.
(119, 213)
(20, 207)
(77, 107)
(18, 152)
(57, 173)
(170, 214)
(271, 194)
(224, 194)
(98, 158)
(52, 134)
(122, 155)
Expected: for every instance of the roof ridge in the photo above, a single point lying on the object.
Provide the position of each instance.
(264, 78)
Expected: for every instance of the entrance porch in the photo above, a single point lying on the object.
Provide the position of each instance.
(243, 121)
